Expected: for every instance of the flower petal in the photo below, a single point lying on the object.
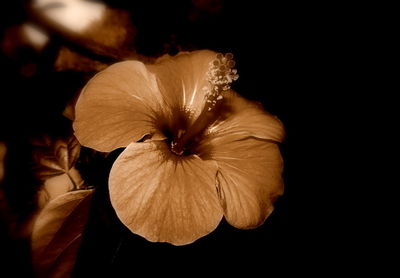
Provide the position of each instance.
(249, 176)
(182, 78)
(244, 144)
(164, 197)
(118, 106)
(247, 118)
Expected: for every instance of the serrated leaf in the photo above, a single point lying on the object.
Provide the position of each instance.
(56, 157)
(59, 185)
(57, 233)
(67, 152)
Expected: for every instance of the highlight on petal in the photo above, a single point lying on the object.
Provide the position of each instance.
(118, 106)
(247, 118)
(182, 79)
(249, 176)
(164, 197)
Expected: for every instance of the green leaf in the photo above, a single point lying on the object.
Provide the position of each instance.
(57, 233)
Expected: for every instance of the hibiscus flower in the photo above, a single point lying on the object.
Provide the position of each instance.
(195, 151)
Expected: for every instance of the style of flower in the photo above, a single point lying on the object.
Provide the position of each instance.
(195, 151)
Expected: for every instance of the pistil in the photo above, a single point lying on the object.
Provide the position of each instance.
(220, 76)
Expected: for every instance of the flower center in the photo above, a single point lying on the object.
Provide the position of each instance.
(220, 76)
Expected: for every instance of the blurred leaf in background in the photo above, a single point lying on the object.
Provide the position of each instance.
(57, 233)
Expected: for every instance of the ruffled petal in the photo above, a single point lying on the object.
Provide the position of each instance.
(246, 118)
(249, 161)
(249, 178)
(118, 106)
(163, 197)
(182, 79)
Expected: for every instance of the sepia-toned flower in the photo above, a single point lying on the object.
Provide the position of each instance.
(195, 151)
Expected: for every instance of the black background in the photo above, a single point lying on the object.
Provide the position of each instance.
(300, 60)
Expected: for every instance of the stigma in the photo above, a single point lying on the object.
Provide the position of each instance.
(220, 76)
